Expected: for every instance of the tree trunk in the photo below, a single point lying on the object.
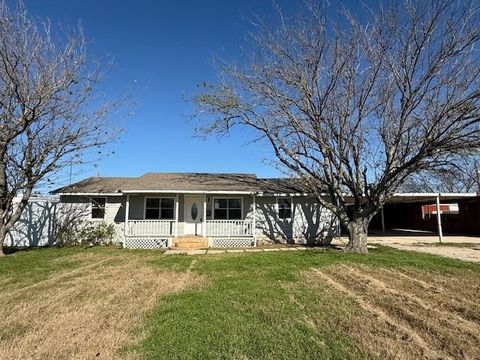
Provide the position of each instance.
(357, 236)
(3, 236)
(325, 240)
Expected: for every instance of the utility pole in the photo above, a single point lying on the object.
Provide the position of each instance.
(382, 217)
(439, 219)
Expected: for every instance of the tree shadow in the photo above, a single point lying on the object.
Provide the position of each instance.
(310, 224)
(40, 224)
(36, 226)
(317, 226)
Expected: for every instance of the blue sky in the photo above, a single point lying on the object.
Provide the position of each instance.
(161, 50)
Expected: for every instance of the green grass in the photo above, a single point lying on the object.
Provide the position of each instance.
(247, 311)
(254, 305)
(31, 266)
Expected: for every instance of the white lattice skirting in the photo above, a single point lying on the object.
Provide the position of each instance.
(146, 243)
(219, 242)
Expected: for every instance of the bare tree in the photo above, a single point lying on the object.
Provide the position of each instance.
(461, 176)
(355, 105)
(50, 108)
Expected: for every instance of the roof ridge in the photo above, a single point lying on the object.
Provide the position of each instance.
(195, 173)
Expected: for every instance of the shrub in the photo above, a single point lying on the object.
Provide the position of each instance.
(66, 232)
(65, 235)
(97, 234)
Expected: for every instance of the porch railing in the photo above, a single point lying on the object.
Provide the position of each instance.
(229, 228)
(151, 227)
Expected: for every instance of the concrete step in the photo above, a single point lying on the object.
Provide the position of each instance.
(190, 242)
(192, 246)
(198, 240)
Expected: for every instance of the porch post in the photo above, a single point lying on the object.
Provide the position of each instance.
(292, 219)
(127, 210)
(382, 216)
(204, 226)
(254, 222)
(176, 215)
(439, 219)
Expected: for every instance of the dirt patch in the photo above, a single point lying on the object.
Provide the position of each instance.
(88, 313)
(464, 248)
(404, 316)
(471, 254)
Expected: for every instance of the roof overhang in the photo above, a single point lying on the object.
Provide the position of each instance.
(395, 198)
(92, 194)
(186, 192)
(421, 197)
(286, 194)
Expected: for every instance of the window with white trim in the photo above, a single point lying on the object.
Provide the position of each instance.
(284, 208)
(227, 209)
(159, 208)
(98, 207)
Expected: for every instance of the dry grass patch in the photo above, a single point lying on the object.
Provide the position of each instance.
(450, 294)
(403, 315)
(88, 312)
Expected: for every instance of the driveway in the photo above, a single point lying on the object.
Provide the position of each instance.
(465, 248)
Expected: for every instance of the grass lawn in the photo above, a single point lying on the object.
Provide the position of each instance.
(112, 303)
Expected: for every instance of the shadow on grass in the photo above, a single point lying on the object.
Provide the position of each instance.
(8, 250)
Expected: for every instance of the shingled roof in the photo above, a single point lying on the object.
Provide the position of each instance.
(280, 186)
(165, 182)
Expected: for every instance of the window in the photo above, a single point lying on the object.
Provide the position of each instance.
(98, 208)
(159, 208)
(227, 209)
(284, 209)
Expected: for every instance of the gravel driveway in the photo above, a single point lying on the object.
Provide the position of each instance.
(465, 248)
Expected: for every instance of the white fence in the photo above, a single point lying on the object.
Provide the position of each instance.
(151, 228)
(36, 225)
(229, 228)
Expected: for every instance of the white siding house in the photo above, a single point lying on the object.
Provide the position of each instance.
(194, 210)
(226, 210)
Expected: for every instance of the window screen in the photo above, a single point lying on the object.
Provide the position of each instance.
(98, 208)
(227, 209)
(284, 209)
(159, 208)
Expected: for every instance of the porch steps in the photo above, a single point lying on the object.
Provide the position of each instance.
(190, 242)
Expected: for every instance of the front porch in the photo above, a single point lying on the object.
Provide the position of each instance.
(219, 233)
(190, 215)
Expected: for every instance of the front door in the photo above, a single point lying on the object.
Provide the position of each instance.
(193, 215)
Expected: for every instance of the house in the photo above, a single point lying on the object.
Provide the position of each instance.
(200, 209)
(233, 210)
